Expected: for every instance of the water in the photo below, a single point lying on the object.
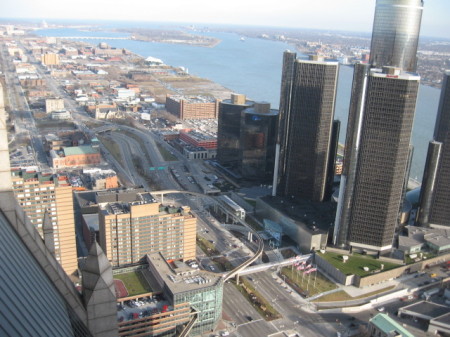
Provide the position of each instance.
(253, 68)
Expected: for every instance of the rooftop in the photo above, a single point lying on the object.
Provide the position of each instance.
(317, 216)
(179, 277)
(77, 150)
(193, 99)
(389, 326)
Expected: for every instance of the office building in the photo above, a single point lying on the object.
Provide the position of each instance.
(287, 74)
(382, 159)
(130, 230)
(395, 34)
(48, 197)
(192, 107)
(378, 151)
(258, 137)
(434, 208)
(181, 286)
(309, 147)
(229, 129)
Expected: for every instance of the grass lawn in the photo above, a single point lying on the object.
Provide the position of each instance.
(356, 263)
(166, 154)
(310, 284)
(134, 282)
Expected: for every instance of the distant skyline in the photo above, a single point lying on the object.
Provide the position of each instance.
(349, 15)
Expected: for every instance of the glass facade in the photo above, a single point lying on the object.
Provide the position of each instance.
(31, 306)
(229, 131)
(287, 75)
(440, 210)
(395, 34)
(257, 141)
(207, 302)
(383, 159)
(310, 129)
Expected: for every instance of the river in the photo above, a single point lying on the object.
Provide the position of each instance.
(253, 67)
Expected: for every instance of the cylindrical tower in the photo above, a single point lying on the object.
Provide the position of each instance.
(395, 34)
(428, 182)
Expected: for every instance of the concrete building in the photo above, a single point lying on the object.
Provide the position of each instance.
(192, 107)
(49, 196)
(435, 192)
(310, 148)
(61, 115)
(54, 104)
(305, 222)
(128, 231)
(181, 285)
(229, 130)
(50, 59)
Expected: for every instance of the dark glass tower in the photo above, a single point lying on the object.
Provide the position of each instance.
(383, 159)
(435, 195)
(395, 33)
(310, 126)
(229, 130)
(287, 75)
(258, 139)
(377, 152)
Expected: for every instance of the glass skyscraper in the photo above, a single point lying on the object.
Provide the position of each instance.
(310, 129)
(435, 195)
(395, 33)
(378, 150)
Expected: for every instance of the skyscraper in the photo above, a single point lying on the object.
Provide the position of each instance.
(435, 195)
(395, 33)
(310, 126)
(379, 130)
(40, 194)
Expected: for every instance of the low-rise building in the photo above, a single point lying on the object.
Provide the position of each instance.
(75, 156)
(192, 107)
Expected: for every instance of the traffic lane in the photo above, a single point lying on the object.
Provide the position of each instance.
(286, 303)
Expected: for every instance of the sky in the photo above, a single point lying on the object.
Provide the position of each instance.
(351, 15)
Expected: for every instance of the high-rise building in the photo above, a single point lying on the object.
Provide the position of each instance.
(128, 231)
(382, 159)
(435, 194)
(395, 34)
(50, 196)
(229, 130)
(38, 298)
(378, 151)
(287, 75)
(257, 142)
(309, 147)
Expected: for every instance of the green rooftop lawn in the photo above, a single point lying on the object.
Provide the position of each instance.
(356, 263)
(134, 282)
